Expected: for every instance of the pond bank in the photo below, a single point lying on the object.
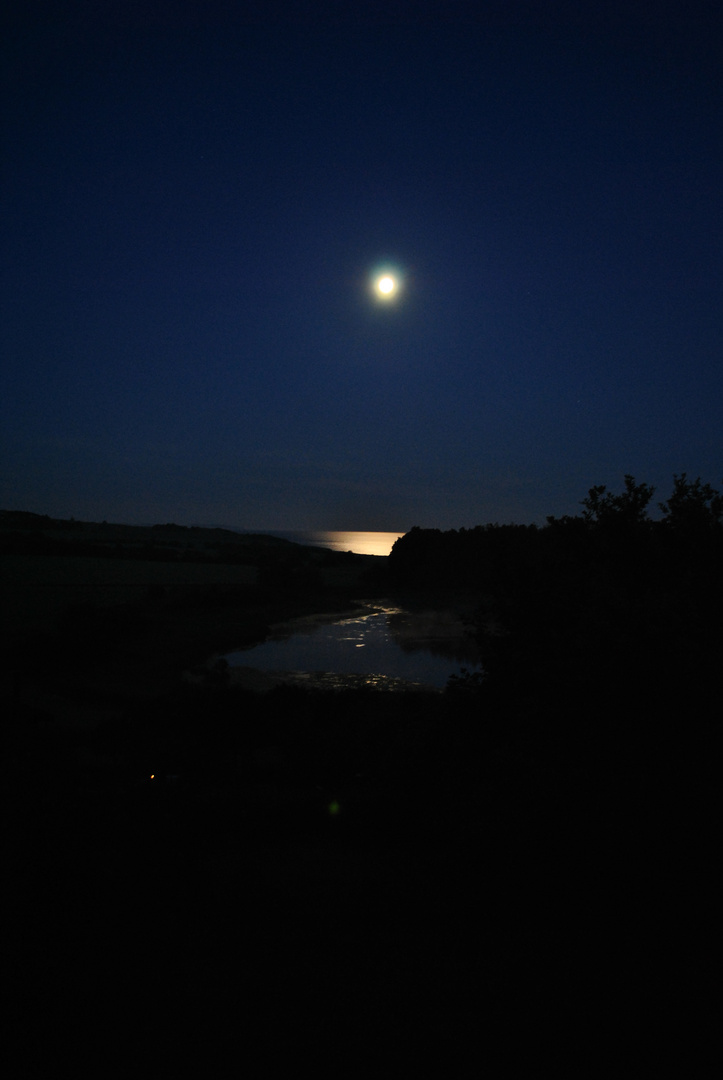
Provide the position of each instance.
(262, 682)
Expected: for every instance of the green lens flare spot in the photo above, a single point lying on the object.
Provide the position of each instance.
(334, 808)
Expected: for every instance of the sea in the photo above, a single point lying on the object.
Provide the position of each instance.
(361, 543)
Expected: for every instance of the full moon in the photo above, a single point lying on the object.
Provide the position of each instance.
(386, 286)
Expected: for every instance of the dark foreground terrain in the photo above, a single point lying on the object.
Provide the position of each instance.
(512, 873)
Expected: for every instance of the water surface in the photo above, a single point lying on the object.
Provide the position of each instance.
(361, 543)
(380, 642)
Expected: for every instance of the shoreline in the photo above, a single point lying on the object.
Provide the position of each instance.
(261, 682)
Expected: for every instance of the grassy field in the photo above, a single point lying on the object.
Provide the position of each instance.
(36, 590)
(82, 634)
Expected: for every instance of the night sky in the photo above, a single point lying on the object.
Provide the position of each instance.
(195, 196)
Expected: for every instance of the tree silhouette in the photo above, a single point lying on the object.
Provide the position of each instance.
(693, 506)
(629, 508)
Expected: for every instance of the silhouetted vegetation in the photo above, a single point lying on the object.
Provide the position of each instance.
(605, 619)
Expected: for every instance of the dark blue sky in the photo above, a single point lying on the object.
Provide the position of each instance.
(195, 195)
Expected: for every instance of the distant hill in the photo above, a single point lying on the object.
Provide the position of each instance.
(22, 532)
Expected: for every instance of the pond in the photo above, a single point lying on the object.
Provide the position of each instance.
(381, 645)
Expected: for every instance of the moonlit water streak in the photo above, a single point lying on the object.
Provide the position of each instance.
(361, 543)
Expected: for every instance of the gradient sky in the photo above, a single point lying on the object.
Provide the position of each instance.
(195, 195)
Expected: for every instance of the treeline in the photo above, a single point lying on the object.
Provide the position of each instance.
(607, 613)
(616, 527)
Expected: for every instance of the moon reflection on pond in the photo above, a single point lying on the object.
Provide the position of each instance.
(383, 642)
